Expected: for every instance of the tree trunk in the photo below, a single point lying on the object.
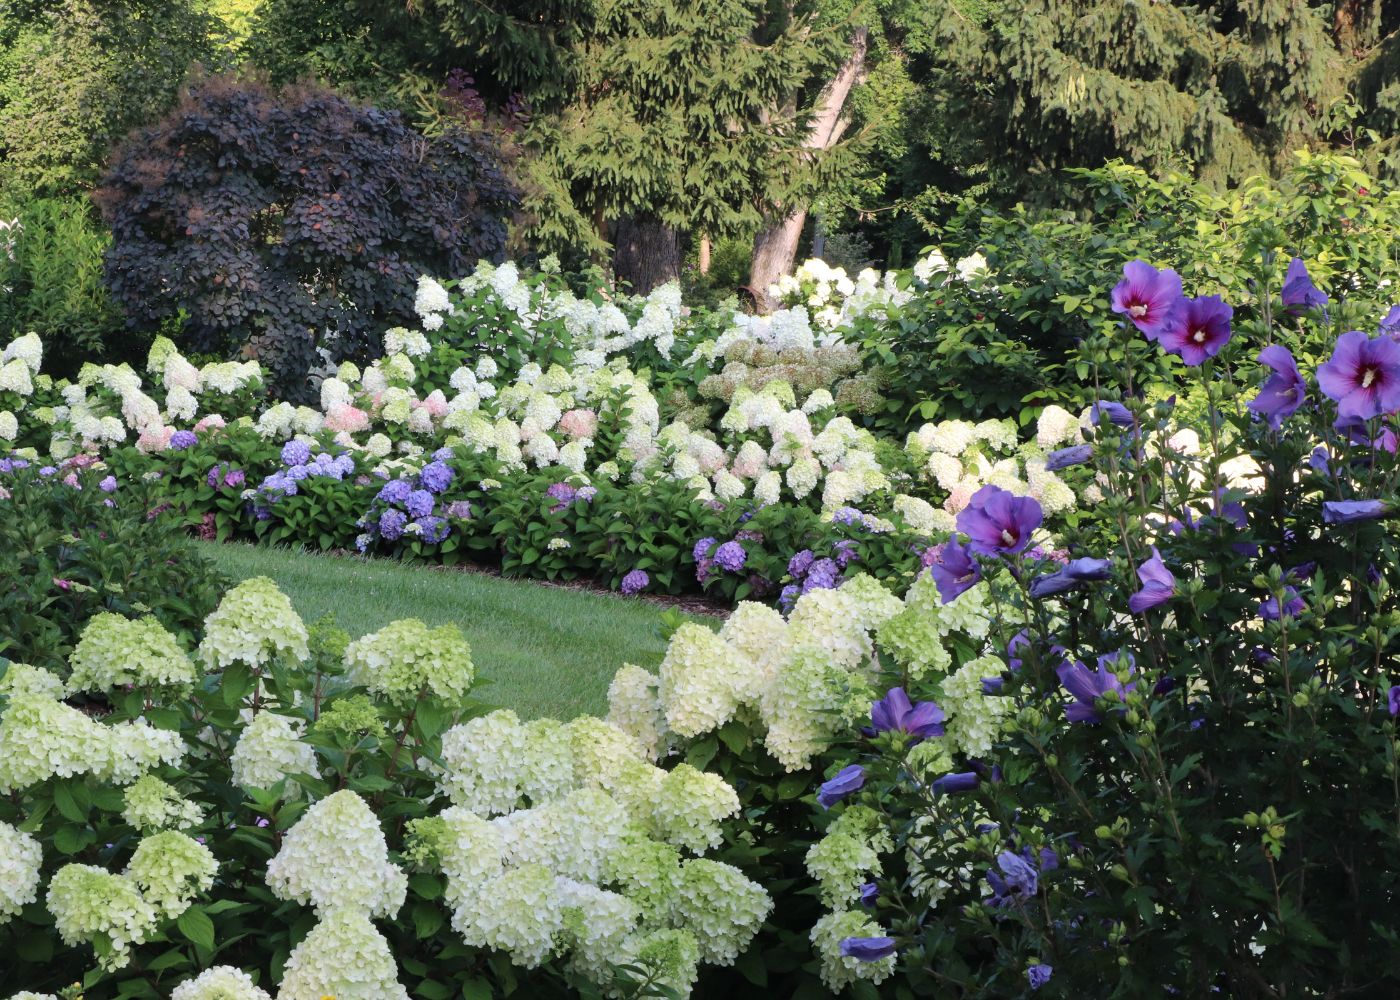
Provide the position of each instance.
(646, 253)
(775, 246)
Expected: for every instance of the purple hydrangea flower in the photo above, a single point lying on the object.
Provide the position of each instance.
(848, 781)
(1299, 292)
(432, 529)
(1017, 881)
(1089, 685)
(443, 455)
(800, 563)
(1039, 974)
(1198, 330)
(235, 479)
(867, 949)
(1074, 573)
(822, 575)
(730, 557)
(436, 477)
(1064, 458)
(297, 473)
(587, 493)
(635, 582)
(1293, 605)
(788, 597)
(181, 440)
(1284, 391)
(997, 522)
(1363, 375)
(703, 548)
(294, 453)
(847, 516)
(419, 503)
(955, 571)
(1158, 584)
(950, 784)
(1352, 511)
(108, 484)
(846, 551)
(1146, 296)
(460, 509)
(391, 524)
(395, 491)
(894, 713)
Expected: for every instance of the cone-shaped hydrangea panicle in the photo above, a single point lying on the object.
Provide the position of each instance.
(336, 857)
(406, 660)
(721, 907)
(118, 652)
(222, 982)
(170, 869)
(634, 706)
(87, 901)
(519, 912)
(759, 633)
(691, 806)
(481, 763)
(343, 957)
(704, 680)
(839, 970)
(270, 750)
(20, 859)
(252, 624)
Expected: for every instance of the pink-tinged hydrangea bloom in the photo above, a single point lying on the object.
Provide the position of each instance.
(579, 424)
(997, 522)
(1284, 391)
(154, 438)
(1147, 296)
(435, 403)
(211, 422)
(1198, 329)
(344, 417)
(1363, 375)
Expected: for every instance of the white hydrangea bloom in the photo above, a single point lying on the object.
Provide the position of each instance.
(690, 807)
(841, 863)
(596, 923)
(170, 869)
(481, 763)
(20, 860)
(759, 634)
(343, 957)
(28, 348)
(335, 857)
(721, 907)
(704, 680)
(9, 425)
(634, 706)
(430, 297)
(1055, 426)
(975, 719)
(151, 804)
(114, 651)
(519, 912)
(222, 982)
(253, 623)
(406, 660)
(839, 971)
(270, 750)
(86, 901)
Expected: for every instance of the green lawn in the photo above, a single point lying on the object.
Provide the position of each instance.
(546, 651)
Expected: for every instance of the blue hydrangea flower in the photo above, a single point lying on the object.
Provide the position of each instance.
(392, 523)
(436, 477)
(293, 452)
(419, 503)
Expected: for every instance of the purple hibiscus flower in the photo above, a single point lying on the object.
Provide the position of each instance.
(1115, 413)
(1016, 649)
(997, 522)
(1390, 323)
(1363, 375)
(1299, 292)
(1064, 458)
(949, 784)
(1158, 584)
(869, 893)
(1039, 974)
(1359, 432)
(894, 713)
(1017, 881)
(1147, 296)
(1284, 391)
(1087, 686)
(955, 571)
(848, 781)
(1352, 511)
(108, 484)
(1198, 330)
(1293, 605)
(1393, 697)
(1074, 573)
(635, 582)
(867, 949)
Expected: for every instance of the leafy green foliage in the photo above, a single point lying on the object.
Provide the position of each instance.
(65, 556)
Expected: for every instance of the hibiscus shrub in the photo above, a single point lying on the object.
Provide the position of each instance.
(1192, 781)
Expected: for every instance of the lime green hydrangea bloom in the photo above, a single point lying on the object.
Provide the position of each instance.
(405, 660)
(114, 651)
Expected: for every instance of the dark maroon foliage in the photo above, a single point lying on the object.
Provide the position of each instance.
(283, 223)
